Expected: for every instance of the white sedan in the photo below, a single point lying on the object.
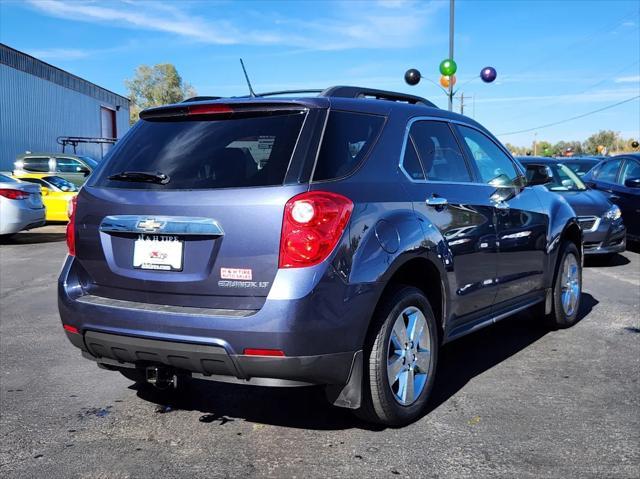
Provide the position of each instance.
(21, 206)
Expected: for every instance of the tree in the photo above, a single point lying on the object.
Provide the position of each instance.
(609, 139)
(544, 148)
(155, 86)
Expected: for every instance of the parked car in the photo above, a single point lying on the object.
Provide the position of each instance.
(580, 165)
(20, 206)
(600, 219)
(56, 192)
(335, 240)
(619, 178)
(73, 168)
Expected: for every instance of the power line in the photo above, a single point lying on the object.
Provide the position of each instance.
(572, 118)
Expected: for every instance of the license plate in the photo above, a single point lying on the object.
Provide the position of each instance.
(162, 253)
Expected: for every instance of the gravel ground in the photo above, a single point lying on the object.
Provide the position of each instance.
(513, 400)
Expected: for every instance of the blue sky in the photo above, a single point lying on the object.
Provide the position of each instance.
(555, 59)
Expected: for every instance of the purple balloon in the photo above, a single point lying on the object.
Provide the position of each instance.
(488, 74)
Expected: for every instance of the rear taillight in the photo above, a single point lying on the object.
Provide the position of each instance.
(70, 329)
(312, 225)
(14, 194)
(263, 352)
(71, 226)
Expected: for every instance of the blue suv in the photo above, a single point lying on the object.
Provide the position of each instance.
(337, 240)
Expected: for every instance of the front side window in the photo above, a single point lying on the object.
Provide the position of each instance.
(348, 138)
(205, 153)
(439, 152)
(69, 165)
(609, 171)
(495, 167)
(631, 170)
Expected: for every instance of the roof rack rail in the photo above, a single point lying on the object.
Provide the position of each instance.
(337, 91)
(286, 92)
(74, 141)
(361, 92)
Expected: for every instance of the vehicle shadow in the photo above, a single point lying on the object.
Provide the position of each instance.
(33, 238)
(306, 407)
(596, 261)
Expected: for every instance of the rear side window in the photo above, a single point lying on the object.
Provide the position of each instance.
(348, 138)
(439, 153)
(36, 164)
(206, 154)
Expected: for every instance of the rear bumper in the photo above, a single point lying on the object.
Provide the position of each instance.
(319, 327)
(15, 219)
(117, 351)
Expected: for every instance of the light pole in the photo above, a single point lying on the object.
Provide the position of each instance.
(451, 22)
(448, 68)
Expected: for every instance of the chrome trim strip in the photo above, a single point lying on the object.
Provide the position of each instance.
(162, 308)
(170, 225)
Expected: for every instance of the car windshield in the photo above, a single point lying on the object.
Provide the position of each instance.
(7, 179)
(564, 179)
(61, 183)
(581, 167)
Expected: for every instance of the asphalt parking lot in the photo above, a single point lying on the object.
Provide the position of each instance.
(514, 400)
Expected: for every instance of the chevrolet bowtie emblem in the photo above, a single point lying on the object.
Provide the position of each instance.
(150, 225)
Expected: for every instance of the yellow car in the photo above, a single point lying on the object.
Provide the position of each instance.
(56, 193)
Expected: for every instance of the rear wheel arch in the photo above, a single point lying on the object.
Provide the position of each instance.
(424, 275)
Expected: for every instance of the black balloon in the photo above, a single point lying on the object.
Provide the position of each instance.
(635, 144)
(412, 76)
(488, 74)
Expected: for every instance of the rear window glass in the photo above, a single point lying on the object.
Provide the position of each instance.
(347, 139)
(206, 154)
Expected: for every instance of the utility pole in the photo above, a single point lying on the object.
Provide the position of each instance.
(451, 2)
(535, 144)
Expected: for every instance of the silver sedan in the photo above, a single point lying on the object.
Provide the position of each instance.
(21, 206)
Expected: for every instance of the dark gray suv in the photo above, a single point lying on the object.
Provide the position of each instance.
(335, 240)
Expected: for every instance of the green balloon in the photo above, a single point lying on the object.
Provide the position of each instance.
(448, 67)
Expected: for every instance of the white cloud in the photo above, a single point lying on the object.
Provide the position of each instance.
(346, 25)
(60, 53)
(629, 79)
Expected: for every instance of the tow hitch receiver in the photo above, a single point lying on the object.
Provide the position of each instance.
(161, 378)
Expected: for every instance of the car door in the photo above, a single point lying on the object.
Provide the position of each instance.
(72, 169)
(445, 197)
(521, 222)
(629, 196)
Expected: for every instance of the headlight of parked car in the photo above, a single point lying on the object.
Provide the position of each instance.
(613, 213)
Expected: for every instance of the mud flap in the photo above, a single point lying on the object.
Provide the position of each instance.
(348, 395)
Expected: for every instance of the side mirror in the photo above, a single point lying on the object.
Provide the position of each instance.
(538, 175)
(632, 182)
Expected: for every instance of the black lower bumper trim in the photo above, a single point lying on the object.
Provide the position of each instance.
(210, 360)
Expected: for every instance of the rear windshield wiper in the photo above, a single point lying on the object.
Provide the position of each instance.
(141, 176)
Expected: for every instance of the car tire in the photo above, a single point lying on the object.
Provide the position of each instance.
(403, 339)
(567, 288)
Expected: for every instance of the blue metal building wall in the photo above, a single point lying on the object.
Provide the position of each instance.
(35, 111)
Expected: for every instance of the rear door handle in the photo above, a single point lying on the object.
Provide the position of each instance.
(437, 201)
